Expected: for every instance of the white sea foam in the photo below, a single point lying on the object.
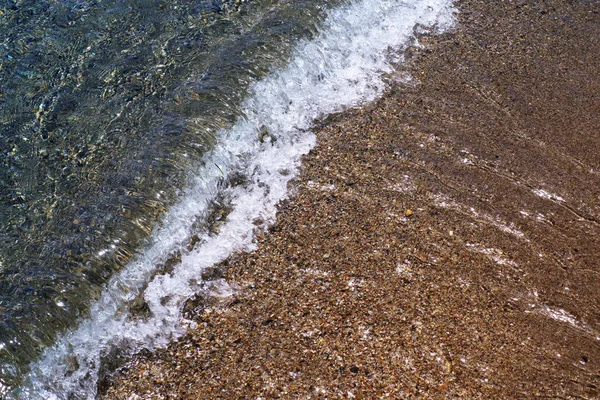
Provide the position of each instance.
(547, 195)
(342, 66)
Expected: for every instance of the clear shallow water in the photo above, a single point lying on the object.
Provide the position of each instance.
(104, 107)
(149, 127)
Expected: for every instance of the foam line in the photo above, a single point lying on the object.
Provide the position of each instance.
(342, 66)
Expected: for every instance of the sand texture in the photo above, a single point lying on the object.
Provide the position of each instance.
(442, 242)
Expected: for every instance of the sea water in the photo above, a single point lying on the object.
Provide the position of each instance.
(144, 142)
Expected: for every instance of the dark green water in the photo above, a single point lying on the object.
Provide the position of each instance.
(104, 107)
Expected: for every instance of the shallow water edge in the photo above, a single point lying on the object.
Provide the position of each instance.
(340, 67)
(441, 242)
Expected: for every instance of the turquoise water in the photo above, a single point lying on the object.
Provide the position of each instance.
(144, 141)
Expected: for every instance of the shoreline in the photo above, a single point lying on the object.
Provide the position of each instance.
(442, 241)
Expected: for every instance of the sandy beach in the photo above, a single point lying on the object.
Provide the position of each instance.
(442, 242)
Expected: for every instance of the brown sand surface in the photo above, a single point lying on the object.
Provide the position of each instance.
(442, 242)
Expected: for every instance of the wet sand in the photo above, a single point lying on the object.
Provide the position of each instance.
(442, 242)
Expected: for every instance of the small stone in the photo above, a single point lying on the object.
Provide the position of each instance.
(409, 213)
